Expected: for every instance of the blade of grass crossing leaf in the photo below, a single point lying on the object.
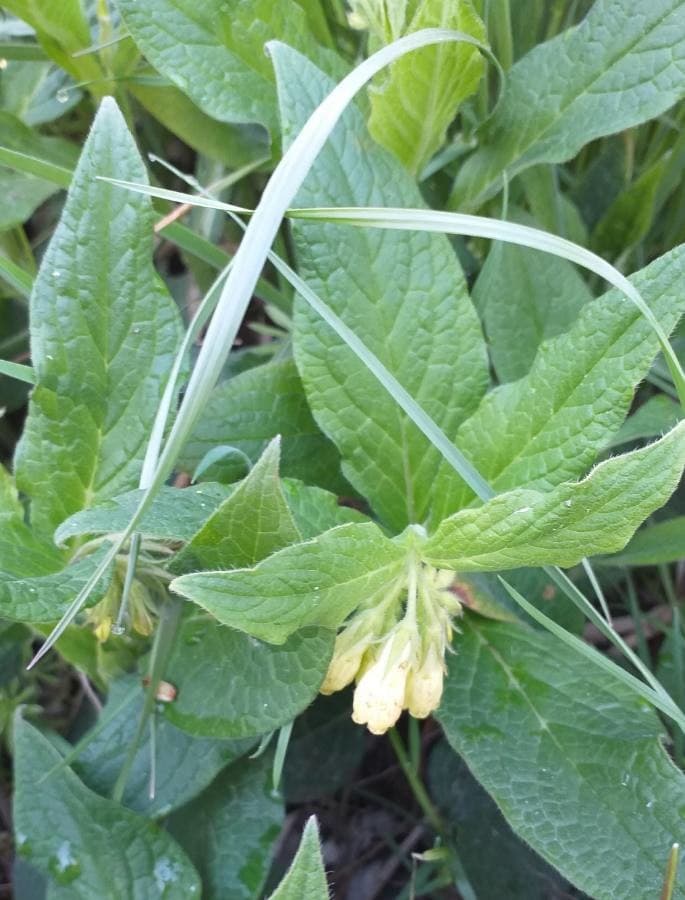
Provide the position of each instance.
(496, 229)
(248, 262)
(598, 658)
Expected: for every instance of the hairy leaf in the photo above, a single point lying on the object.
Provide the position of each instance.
(228, 831)
(598, 515)
(572, 757)
(252, 523)
(403, 292)
(306, 877)
(103, 335)
(318, 582)
(92, 845)
(177, 776)
(548, 427)
(230, 685)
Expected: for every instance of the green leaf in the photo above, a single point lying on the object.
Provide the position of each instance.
(318, 582)
(251, 524)
(62, 30)
(597, 515)
(548, 427)
(572, 758)
(21, 552)
(214, 52)
(404, 291)
(178, 777)
(306, 877)
(525, 297)
(621, 66)
(230, 144)
(104, 332)
(652, 546)
(229, 830)
(497, 863)
(250, 409)
(93, 846)
(176, 514)
(29, 597)
(315, 510)
(656, 415)
(230, 685)
(413, 105)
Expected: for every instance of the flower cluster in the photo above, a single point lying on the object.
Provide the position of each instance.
(141, 609)
(394, 647)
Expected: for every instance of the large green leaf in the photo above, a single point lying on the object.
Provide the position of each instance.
(251, 524)
(21, 552)
(498, 864)
(597, 515)
(413, 105)
(214, 51)
(178, 778)
(572, 757)
(548, 427)
(318, 582)
(103, 333)
(92, 845)
(231, 685)
(621, 66)
(252, 408)
(525, 297)
(228, 831)
(306, 877)
(403, 292)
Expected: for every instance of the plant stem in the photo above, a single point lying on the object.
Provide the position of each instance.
(415, 783)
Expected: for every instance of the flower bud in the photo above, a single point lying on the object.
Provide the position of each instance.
(424, 685)
(342, 669)
(379, 695)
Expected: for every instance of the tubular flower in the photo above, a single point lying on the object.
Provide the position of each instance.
(394, 647)
(379, 695)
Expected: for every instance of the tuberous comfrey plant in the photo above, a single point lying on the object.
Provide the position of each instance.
(364, 507)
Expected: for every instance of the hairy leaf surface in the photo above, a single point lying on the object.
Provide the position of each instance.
(103, 335)
(560, 527)
(402, 292)
(572, 757)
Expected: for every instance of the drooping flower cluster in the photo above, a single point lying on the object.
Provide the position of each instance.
(141, 610)
(394, 647)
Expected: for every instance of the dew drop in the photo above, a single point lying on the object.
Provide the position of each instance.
(63, 867)
(650, 804)
(165, 872)
(3, 63)
(56, 273)
(118, 629)
(62, 95)
(625, 781)
(567, 503)
(136, 330)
